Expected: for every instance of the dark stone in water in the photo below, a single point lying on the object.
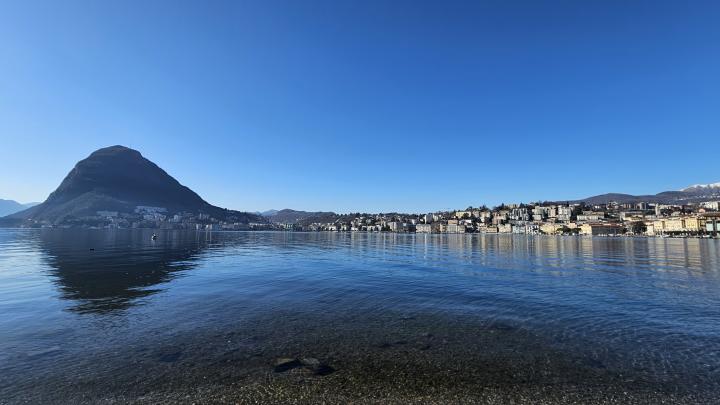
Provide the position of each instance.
(309, 363)
(316, 366)
(285, 364)
(323, 370)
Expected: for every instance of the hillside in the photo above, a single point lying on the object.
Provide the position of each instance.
(288, 216)
(120, 179)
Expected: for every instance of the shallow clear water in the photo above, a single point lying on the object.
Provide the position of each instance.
(78, 306)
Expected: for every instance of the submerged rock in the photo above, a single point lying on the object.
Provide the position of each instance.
(284, 364)
(316, 366)
(308, 363)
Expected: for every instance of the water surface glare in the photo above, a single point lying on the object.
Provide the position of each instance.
(90, 315)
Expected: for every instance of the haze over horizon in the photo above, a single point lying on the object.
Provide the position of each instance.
(365, 106)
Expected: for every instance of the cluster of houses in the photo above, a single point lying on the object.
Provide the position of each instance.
(159, 218)
(693, 220)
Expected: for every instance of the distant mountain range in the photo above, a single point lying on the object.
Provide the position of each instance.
(288, 216)
(8, 207)
(119, 179)
(695, 193)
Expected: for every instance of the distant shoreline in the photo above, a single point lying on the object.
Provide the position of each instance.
(371, 232)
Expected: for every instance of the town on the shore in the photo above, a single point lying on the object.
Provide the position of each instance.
(700, 219)
(612, 219)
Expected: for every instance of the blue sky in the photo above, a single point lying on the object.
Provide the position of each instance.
(368, 105)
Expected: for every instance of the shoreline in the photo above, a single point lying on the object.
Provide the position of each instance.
(207, 231)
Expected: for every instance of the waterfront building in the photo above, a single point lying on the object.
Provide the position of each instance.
(694, 224)
(675, 225)
(505, 228)
(427, 228)
(601, 228)
(551, 228)
(455, 228)
(712, 224)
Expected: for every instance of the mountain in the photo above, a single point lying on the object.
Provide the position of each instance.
(288, 216)
(118, 178)
(8, 207)
(696, 193)
(702, 188)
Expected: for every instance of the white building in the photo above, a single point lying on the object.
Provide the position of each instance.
(456, 228)
(427, 228)
(564, 213)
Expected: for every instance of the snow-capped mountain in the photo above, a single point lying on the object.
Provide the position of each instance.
(700, 187)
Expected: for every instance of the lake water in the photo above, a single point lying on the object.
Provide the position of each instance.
(89, 316)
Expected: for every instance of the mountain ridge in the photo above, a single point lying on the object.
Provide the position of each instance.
(290, 216)
(8, 207)
(696, 187)
(692, 194)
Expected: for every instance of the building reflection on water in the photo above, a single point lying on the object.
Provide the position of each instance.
(103, 271)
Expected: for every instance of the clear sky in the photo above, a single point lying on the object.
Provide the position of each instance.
(368, 105)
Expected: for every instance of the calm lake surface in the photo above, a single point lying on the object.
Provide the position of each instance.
(89, 316)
